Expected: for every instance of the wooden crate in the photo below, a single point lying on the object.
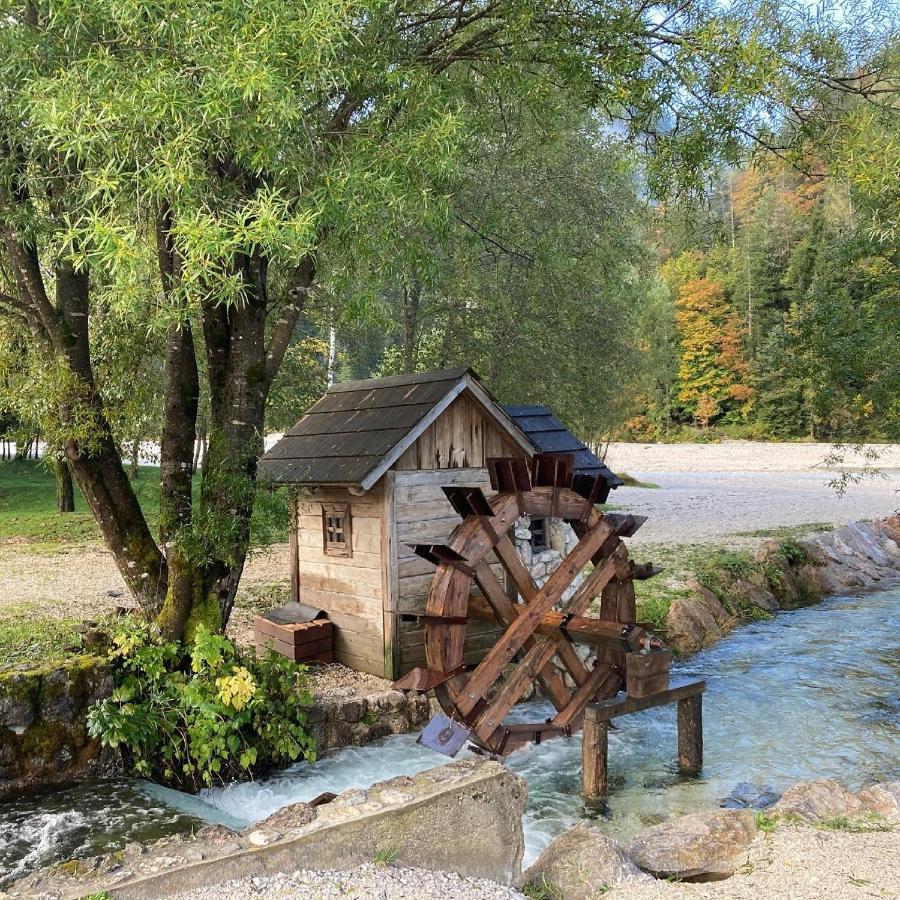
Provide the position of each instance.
(306, 642)
(647, 673)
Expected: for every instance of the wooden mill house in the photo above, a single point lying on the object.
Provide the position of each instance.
(367, 465)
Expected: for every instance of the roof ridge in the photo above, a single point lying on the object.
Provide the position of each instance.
(364, 384)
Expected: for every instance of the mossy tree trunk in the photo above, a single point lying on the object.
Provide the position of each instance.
(65, 489)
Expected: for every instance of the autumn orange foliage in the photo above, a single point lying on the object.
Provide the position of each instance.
(713, 374)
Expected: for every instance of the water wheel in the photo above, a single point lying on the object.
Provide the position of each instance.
(540, 623)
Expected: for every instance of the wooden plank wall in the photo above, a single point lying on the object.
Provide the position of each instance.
(349, 589)
(463, 437)
(423, 515)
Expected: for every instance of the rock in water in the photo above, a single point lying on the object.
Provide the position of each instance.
(817, 800)
(750, 796)
(295, 815)
(700, 846)
(582, 862)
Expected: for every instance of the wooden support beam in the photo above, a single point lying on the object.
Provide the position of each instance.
(594, 758)
(621, 705)
(603, 680)
(582, 629)
(690, 734)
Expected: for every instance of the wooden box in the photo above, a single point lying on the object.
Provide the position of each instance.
(647, 673)
(306, 642)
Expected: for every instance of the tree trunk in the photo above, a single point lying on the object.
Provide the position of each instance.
(180, 405)
(411, 301)
(97, 464)
(65, 490)
(135, 457)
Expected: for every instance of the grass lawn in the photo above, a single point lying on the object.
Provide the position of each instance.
(28, 507)
(29, 639)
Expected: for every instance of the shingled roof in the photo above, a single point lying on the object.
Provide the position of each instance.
(359, 429)
(549, 435)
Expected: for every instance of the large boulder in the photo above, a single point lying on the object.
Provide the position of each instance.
(700, 847)
(882, 800)
(296, 815)
(581, 863)
(814, 801)
(695, 621)
(753, 595)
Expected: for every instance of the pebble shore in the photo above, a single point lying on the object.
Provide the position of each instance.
(367, 882)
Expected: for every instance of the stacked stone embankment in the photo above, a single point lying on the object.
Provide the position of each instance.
(786, 575)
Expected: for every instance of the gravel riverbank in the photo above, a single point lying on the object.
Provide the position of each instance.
(796, 863)
(368, 882)
(791, 863)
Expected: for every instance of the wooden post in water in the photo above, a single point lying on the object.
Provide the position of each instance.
(594, 752)
(690, 734)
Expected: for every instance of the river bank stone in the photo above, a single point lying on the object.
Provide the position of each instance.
(882, 800)
(699, 846)
(750, 796)
(814, 801)
(582, 862)
(792, 574)
(43, 732)
(695, 621)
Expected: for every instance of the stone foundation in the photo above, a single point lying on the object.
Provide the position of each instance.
(43, 733)
(348, 718)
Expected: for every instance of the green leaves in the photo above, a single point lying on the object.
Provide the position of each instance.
(231, 715)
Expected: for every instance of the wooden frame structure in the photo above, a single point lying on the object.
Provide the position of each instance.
(595, 743)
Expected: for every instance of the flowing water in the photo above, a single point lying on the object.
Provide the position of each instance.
(813, 693)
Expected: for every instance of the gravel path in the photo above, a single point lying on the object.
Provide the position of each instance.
(707, 493)
(368, 882)
(796, 863)
(710, 491)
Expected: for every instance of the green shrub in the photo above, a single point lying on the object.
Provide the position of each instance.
(191, 715)
(793, 552)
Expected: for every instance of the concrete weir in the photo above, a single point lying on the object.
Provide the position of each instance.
(464, 817)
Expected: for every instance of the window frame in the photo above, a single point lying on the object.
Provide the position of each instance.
(544, 545)
(331, 547)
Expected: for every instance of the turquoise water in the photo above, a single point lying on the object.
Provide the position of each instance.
(813, 693)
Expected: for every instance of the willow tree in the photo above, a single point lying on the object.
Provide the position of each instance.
(254, 147)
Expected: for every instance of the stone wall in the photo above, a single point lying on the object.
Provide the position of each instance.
(347, 717)
(43, 735)
(43, 731)
(788, 574)
(560, 541)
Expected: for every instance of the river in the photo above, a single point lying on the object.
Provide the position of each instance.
(812, 693)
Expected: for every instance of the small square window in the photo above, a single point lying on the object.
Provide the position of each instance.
(336, 529)
(538, 535)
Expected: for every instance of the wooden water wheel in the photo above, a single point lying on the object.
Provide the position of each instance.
(541, 623)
